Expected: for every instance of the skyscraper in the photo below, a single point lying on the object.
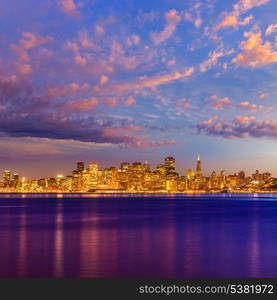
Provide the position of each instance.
(125, 166)
(93, 167)
(169, 164)
(198, 167)
(80, 166)
(7, 178)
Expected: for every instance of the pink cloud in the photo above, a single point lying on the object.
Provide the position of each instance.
(66, 90)
(74, 47)
(218, 103)
(244, 119)
(62, 123)
(149, 82)
(193, 15)
(46, 53)
(20, 52)
(100, 27)
(118, 57)
(130, 63)
(188, 16)
(240, 127)
(130, 101)
(183, 103)
(158, 80)
(117, 131)
(80, 60)
(85, 59)
(250, 106)
(213, 59)
(24, 69)
(82, 105)
(132, 128)
(254, 52)
(118, 89)
(232, 19)
(133, 40)
(244, 5)
(171, 62)
(69, 7)
(86, 42)
(263, 96)
(31, 40)
(198, 22)
(172, 19)
(104, 79)
(270, 29)
(27, 42)
(210, 121)
(110, 102)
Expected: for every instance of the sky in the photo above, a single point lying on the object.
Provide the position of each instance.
(112, 81)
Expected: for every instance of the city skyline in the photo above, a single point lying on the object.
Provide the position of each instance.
(180, 169)
(138, 81)
(138, 177)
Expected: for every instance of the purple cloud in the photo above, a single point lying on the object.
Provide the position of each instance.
(240, 127)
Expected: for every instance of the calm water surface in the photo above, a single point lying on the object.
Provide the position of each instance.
(138, 236)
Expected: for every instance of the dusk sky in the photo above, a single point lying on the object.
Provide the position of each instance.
(114, 81)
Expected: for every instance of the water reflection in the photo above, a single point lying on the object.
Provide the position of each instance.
(22, 245)
(184, 236)
(58, 243)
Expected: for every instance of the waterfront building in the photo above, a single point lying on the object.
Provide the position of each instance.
(169, 164)
(138, 177)
(7, 178)
(198, 167)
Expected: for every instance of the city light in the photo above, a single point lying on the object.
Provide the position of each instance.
(138, 177)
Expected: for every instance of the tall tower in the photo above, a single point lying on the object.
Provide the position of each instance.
(169, 163)
(80, 166)
(7, 178)
(198, 167)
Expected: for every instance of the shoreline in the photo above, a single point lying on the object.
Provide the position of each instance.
(135, 193)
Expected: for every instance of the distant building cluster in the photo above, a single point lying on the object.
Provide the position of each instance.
(138, 177)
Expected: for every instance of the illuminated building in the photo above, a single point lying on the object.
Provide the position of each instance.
(80, 166)
(92, 177)
(125, 166)
(198, 167)
(161, 169)
(146, 167)
(222, 179)
(256, 175)
(68, 183)
(241, 175)
(7, 178)
(232, 181)
(93, 167)
(171, 185)
(41, 183)
(59, 179)
(137, 167)
(169, 164)
(138, 177)
(266, 177)
(15, 180)
(190, 174)
(213, 181)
